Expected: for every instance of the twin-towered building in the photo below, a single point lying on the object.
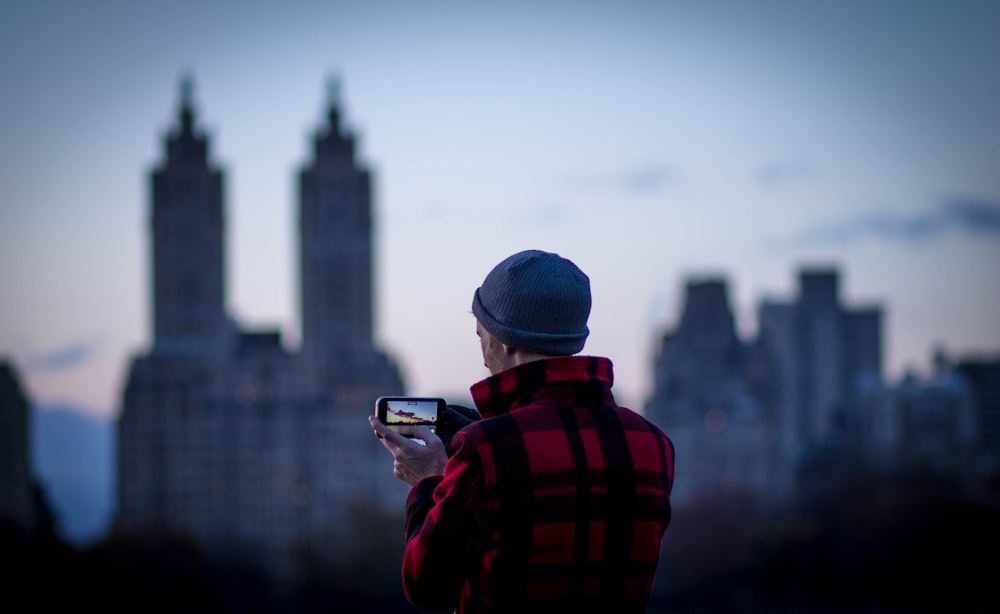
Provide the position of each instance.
(225, 435)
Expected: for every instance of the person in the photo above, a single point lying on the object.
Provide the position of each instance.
(556, 499)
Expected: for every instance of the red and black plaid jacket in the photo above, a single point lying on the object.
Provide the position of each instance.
(558, 498)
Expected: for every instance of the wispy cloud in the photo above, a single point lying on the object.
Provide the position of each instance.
(553, 214)
(975, 215)
(777, 174)
(967, 215)
(70, 356)
(435, 211)
(647, 179)
(640, 179)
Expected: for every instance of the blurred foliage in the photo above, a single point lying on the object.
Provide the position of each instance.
(901, 545)
(873, 546)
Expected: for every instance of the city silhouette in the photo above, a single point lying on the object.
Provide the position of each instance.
(248, 480)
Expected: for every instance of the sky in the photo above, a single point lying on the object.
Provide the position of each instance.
(652, 143)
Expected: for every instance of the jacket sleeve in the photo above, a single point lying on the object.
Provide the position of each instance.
(442, 531)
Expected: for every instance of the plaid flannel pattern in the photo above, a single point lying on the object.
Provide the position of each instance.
(558, 498)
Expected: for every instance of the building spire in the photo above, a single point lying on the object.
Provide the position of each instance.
(187, 106)
(333, 91)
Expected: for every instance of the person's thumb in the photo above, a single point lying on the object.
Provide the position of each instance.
(427, 436)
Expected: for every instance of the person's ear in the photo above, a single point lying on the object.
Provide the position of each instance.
(509, 349)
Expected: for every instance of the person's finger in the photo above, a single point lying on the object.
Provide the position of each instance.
(377, 427)
(389, 436)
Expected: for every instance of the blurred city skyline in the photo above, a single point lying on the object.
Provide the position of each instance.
(651, 143)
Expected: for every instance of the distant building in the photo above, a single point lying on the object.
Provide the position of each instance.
(763, 416)
(933, 428)
(225, 435)
(828, 376)
(982, 376)
(24, 505)
(16, 480)
(711, 395)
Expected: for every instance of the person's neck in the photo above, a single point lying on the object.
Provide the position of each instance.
(521, 357)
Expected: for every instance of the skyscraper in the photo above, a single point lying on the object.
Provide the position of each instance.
(336, 263)
(188, 243)
(828, 381)
(335, 251)
(832, 363)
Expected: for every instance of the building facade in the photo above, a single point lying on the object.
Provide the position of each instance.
(931, 429)
(711, 395)
(981, 375)
(225, 436)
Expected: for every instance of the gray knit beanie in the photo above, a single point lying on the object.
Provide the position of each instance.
(535, 301)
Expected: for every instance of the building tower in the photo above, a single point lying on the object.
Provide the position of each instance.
(188, 248)
(819, 353)
(838, 361)
(335, 251)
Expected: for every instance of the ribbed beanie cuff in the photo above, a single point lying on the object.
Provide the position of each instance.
(537, 301)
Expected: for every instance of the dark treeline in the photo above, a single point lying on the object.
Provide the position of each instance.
(903, 545)
(914, 544)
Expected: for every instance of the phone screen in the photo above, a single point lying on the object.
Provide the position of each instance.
(405, 414)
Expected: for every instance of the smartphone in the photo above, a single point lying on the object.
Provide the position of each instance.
(405, 414)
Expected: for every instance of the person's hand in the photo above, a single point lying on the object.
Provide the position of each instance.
(413, 461)
(453, 418)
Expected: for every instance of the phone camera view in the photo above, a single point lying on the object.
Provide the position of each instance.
(405, 415)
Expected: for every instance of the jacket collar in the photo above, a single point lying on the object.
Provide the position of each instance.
(518, 386)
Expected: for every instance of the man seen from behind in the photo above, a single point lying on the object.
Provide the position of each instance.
(557, 499)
